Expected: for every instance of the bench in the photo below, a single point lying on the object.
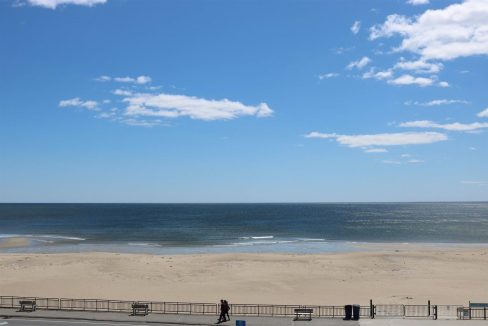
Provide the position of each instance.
(27, 305)
(140, 309)
(303, 314)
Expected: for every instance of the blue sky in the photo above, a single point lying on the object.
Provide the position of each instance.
(243, 101)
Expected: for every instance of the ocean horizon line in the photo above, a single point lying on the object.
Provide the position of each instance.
(249, 203)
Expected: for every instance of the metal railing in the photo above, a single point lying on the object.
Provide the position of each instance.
(265, 310)
(472, 313)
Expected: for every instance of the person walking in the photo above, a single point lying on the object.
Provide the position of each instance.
(227, 309)
(222, 311)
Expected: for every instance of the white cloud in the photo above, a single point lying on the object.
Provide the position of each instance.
(440, 102)
(391, 139)
(473, 148)
(141, 80)
(52, 4)
(391, 162)
(411, 80)
(356, 27)
(77, 102)
(444, 84)
(415, 161)
(419, 66)
(122, 92)
(474, 182)
(103, 78)
(359, 64)
(458, 30)
(141, 123)
(483, 114)
(106, 115)
(328, 75)
(380, 75)
(174, 106)
(375, 150)
(418, 2)
(456, 126)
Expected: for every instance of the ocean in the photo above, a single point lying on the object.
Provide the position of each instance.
(215, 228)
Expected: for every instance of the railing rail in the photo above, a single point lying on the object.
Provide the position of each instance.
(370, 311)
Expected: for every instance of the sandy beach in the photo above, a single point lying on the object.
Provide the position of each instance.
(393, 274)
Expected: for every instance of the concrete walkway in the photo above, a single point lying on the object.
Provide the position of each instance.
(13, 317)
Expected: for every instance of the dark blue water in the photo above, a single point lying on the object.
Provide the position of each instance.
(226, 226)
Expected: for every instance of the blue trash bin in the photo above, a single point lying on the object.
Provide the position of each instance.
(240, 323)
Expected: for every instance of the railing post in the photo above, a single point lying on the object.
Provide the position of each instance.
(428, 308)
(435, 312)
(484, 312)
(469, 312)
(371, 309)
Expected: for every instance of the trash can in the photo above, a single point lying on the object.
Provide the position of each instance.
(348, 312)
(355, 311)
(240, 323)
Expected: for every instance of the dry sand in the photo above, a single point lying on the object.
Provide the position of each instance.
(397, 274)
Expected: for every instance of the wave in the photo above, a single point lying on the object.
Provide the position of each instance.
(270, 240)
(258, 237)
(44, 236)
(144, 244)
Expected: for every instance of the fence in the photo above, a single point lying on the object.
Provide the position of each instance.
(371, 311)
(472, 313)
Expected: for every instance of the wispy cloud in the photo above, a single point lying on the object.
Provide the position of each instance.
(103, 78)
(141, 80)
(53, 4)
(77, 102)
(419, 66)
(380, 75)
(438, 102)
(387, 139)
(356, 27)
(474, 182)
(141, 123)
(411, 80)
(456, 126)
(483, 114)
(122, 92)
(375, 150)
(328, 75)
(417, 2)
(415, 161)
(173, 106)
(395, 162)
(359, 64)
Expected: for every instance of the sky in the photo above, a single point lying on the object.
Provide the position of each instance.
(217, 101)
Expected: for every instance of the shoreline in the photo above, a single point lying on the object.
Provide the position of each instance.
(46, 244)
(406, 274)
